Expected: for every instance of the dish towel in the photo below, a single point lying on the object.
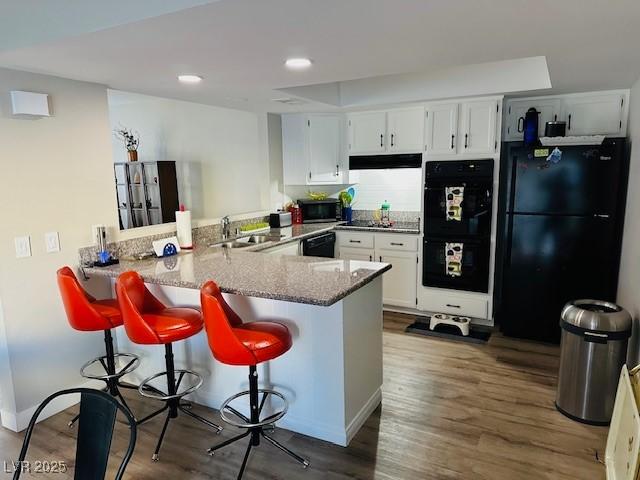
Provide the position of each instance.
(453, 259)
(455, 196)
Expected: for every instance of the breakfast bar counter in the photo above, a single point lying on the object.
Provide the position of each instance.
(332, 375)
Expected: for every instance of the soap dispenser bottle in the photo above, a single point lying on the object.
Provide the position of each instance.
(384, 213)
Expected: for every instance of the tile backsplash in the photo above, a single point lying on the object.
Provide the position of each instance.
(401, 187)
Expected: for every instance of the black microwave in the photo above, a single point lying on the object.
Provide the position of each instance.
(317, 211)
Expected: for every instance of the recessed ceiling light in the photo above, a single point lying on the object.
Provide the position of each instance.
(298, 63)
(190, 78)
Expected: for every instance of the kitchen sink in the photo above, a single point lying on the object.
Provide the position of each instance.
(244, 241)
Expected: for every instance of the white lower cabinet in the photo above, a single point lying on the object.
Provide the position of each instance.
(438, 301)
(399, 284)
(350, 253)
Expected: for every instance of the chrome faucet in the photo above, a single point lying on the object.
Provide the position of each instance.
(226, 227)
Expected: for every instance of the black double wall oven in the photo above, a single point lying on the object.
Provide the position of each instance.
(458, 197)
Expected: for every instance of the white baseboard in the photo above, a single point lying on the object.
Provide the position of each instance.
(18, 421)
(362, 416)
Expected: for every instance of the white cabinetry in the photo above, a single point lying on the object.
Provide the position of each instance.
(590, 113)
(478, 126)
(367, 132)
(405, 130)
(441, 128)
(401, 251)
(595, 114)
(549, 108)
(313, 149)
(354, 253)
(393, 131)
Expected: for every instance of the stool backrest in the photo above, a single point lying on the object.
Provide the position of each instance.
(78, 303)
(220, 321)
(96, 424)
(135, 300)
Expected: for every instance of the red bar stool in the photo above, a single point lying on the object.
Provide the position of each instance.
(236, 343)
(87, 314)
(148, 321)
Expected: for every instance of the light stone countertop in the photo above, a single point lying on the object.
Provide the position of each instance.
(247, 271)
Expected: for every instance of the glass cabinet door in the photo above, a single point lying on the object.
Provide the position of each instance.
(151, 174)
(121, 173)
(136, 174)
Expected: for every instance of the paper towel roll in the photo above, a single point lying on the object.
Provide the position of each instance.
(183, 227)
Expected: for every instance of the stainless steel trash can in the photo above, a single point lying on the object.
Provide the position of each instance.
(594, 342)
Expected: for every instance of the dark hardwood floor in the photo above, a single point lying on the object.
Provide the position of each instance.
(450, 410)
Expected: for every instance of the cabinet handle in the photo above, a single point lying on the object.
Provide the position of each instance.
(569, 124)
(355, 241)
(555, 118)
(337, 170)
(309, 175)
(371, 258)
(397, 244)
(381, 140)
(466, 140)
(380, 258)
(452, 306)
(452, 137)
(521, 126)
(601, 216)
(392, 139)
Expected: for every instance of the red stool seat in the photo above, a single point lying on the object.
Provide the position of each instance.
(147, 320)
(266, 340)
(84, 312)
(109, 309)
(234, 342)
(173, 324)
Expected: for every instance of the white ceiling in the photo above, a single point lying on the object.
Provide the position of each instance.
(239, 45)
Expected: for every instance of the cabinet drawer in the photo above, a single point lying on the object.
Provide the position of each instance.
(457, 305)
(355, 239)
(394, 241)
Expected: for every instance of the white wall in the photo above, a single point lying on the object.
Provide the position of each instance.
(220, 153)
(629, 280)
(55, 175)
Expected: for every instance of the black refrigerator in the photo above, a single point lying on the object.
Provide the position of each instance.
(560, 218)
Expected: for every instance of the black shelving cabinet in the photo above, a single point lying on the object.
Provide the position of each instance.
(147, 193)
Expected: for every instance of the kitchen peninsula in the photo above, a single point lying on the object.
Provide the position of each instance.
(332, 376)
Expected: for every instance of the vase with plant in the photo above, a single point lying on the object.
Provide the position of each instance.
(345, 200)
(131, 141)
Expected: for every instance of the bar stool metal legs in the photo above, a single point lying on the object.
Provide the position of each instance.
(255, 427)
(173, 397)
(112, 374)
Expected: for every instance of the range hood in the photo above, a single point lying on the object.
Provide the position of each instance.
(372, 162)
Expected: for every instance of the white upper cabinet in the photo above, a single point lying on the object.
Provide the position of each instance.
(595, 114)
(549, 108)
(405, 130)
(441, 128)
(313, 149)
(590, 113)
(324, 148)
(393, 131)
(478, 127)
(367, 132)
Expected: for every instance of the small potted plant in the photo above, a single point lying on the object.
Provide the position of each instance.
(131, 141)
(346, 199)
